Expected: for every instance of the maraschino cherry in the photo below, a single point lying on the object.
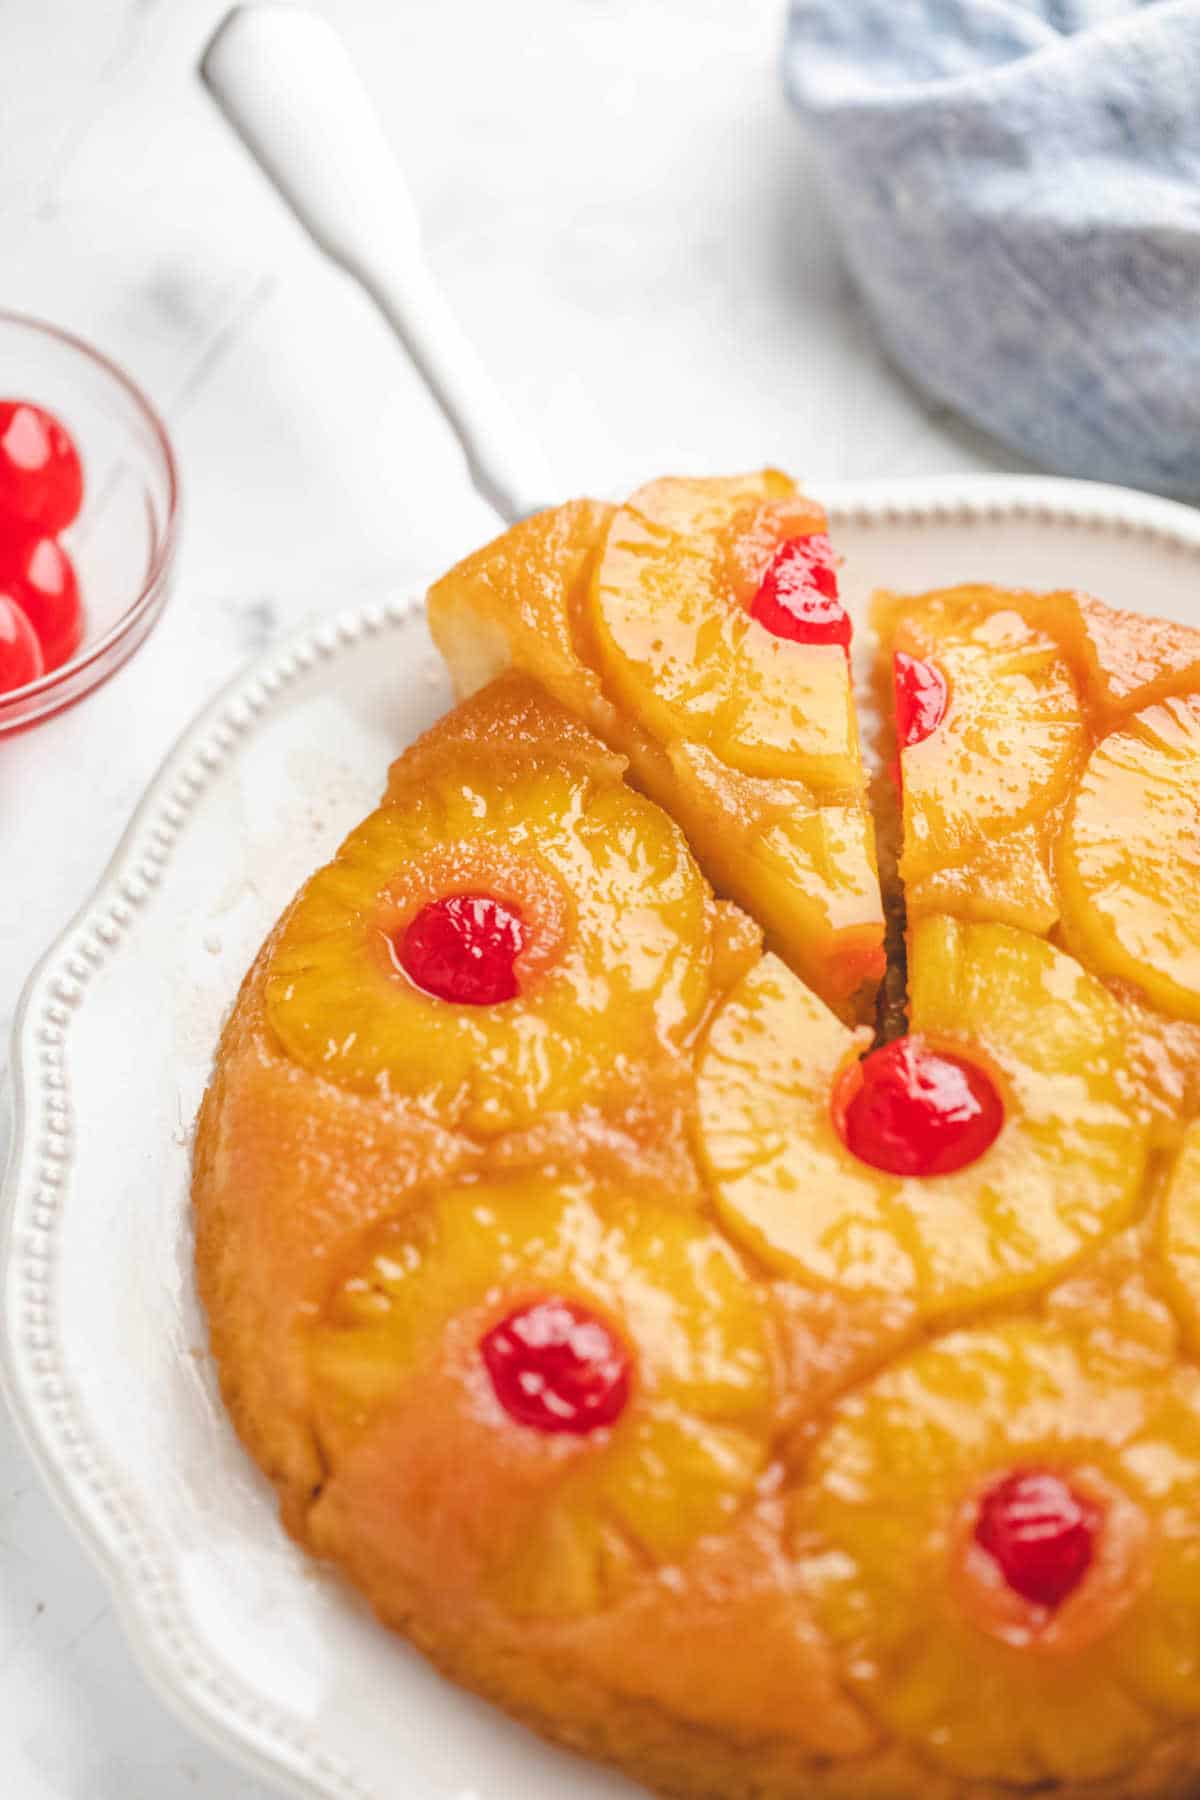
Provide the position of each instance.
(921, 697)
(1040, 1532)
(464, 948)
(41, 478)
(909, 1109)
(797, 598)
(41, 491)
(38, 575)
(555, 1367)
(20, 653)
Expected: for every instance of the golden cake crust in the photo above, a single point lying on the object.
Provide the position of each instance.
(288, 1172)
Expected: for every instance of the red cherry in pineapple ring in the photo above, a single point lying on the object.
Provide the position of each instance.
(797, 598)
(41, 479)
(555, 1367)
(464, 949)
(20, 652)
(909, 1109)
(38, 575)
(921, 698)
(1040, 1533)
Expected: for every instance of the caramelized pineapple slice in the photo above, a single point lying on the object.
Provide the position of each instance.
(1008, 882)
(553, 1516)
(784, 1183)
(1023, 1649)
(1066, 1172)
(670, 606)
(1129, 859)
(600, 925)
(809, 875)
(1063, 1173)
(1012, 734)
(1130, 660)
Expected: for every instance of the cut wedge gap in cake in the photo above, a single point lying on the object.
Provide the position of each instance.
(891, 1008)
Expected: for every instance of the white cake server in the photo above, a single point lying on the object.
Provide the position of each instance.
(285, 82)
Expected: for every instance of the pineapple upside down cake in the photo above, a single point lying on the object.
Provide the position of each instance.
(775, 1379)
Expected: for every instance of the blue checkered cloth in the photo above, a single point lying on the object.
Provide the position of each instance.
(1017, 188)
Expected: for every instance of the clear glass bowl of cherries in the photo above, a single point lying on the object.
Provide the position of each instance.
(89, 501)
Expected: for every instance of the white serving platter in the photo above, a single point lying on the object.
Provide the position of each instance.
(103, 1345)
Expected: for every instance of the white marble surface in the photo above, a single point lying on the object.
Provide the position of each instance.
(618, 205)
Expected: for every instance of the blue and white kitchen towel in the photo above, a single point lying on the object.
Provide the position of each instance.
(1017, 187)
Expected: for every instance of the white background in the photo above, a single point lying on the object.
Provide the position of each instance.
(619, 207)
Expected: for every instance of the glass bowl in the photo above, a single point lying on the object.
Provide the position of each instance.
(123, 542)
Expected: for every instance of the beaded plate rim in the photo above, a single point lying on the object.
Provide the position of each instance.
(34, 1368)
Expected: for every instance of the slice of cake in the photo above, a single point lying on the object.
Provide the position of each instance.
(697, 629)
(1048, 761)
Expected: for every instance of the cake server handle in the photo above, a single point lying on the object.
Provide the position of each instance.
(285, 82)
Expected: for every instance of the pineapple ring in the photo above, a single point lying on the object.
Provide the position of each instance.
(616, 959)
(877, 1532)
(670, 610)
(1063, 1173)
(1129, 860)
(1011, 739)
(555, 1522)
